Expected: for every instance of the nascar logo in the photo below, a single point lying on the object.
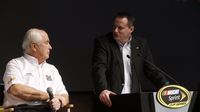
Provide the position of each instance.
(170, 92)
(173, 96)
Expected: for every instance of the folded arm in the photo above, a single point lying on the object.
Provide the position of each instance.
(27, 93)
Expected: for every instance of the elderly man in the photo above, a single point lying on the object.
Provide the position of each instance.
(27, 78)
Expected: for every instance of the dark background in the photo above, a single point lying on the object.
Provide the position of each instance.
(172, 28)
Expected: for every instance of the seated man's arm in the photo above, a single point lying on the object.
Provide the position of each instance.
(27, 93)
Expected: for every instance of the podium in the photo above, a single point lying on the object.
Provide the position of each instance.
(146, 102)
(126, 103)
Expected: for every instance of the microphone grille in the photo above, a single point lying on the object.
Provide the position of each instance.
(49, 90)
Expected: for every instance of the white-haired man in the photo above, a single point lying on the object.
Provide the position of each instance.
(26, 78)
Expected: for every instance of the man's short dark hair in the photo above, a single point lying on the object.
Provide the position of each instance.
(127, 15)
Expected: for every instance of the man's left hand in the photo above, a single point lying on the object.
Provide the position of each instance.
(55, 103)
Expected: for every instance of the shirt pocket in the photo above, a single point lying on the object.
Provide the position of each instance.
(29, 78)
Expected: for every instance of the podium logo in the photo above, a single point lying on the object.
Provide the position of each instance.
(173, 96)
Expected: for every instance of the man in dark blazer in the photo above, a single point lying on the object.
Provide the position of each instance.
(119, 61)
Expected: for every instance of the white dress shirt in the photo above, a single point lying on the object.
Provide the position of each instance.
(126, 51)
(26, 70)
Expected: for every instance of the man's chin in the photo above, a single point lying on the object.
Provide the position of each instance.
(116, 38)
(47, 57)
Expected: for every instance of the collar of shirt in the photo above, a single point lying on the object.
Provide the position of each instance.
(127, 44)
(32, 60)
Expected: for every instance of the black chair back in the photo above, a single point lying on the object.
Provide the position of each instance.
(1, 93)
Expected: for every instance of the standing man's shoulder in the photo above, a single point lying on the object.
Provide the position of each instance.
(105, 39)
(140, 40)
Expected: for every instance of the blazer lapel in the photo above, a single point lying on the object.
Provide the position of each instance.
(135, 52)
(135, 64)
(118, 54)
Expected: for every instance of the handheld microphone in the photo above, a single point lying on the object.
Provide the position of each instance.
(50, 92)
(154, 66)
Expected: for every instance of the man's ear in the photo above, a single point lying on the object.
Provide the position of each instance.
(33, 47)
(132, 28)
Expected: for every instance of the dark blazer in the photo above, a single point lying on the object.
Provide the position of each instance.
(107, 65)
